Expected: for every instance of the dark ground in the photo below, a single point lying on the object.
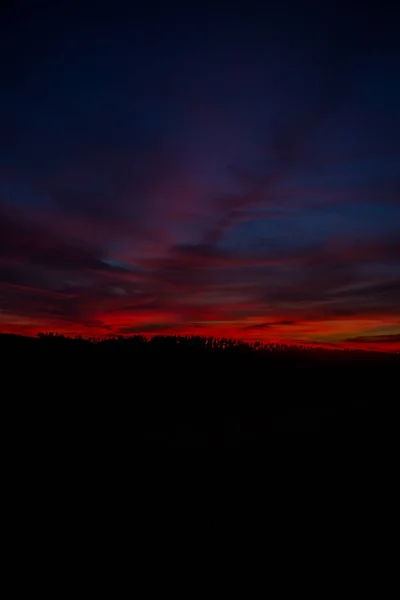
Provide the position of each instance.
(188, 392)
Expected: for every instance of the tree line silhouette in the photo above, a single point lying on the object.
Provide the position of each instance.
(184, 344)
(190, 391)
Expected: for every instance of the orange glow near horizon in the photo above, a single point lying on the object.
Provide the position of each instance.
(340, 333)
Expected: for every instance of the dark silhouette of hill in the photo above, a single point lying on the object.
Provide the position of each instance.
(189, 391)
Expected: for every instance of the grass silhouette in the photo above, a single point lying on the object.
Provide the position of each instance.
(190, 391)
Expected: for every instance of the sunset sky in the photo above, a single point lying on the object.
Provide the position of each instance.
(216, 171)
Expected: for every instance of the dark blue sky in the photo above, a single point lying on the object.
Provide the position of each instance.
(196, 169)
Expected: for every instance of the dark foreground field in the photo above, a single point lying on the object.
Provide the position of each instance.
(188, 392)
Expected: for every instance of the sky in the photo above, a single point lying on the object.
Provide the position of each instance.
(209, 169)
